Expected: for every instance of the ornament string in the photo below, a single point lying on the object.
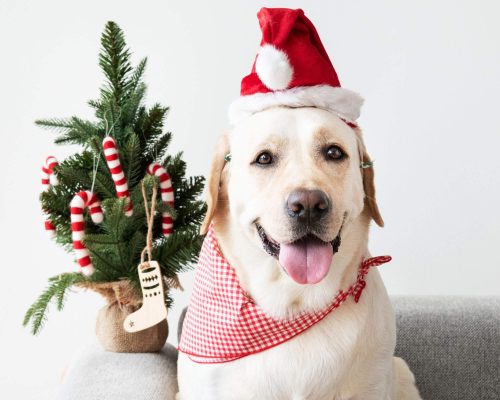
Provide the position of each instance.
(148, 249)
(108, 131)
(150, 219)
(95, 166)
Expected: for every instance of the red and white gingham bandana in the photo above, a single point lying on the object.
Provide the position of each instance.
(223, 323)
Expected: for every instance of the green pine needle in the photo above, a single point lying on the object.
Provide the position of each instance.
(57, 289)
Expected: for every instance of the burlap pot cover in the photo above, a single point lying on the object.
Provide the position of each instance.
(123, 300)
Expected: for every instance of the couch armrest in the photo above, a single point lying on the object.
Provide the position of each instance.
(452, 345)
(98, 374)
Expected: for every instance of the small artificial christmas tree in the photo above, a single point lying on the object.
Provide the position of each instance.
(135, 141)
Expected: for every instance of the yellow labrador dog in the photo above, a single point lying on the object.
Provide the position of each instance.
(295, 176)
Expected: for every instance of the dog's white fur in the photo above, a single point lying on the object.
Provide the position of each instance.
(349, 354)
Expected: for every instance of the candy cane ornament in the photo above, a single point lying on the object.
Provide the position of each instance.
(115, 167)
(167, 195)
(82, 200)
(49, 178)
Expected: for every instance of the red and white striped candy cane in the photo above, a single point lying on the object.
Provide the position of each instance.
(82, 200)
(167, 195)
(115, 167)
(49, 178)
(48, 175)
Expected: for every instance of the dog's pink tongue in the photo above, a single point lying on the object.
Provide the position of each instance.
(306, 261)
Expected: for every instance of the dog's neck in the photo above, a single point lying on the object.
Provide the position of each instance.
(267, 283)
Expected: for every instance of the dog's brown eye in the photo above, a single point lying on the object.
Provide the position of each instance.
(264, 158)
(335, 153)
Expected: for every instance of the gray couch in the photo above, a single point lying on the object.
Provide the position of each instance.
(452, 344)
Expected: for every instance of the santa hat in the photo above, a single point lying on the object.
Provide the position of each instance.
(292, 69)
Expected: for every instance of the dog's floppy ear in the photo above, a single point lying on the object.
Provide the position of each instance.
(214, 181)
(368, 175)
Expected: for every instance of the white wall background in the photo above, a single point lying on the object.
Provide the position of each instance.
(429, 71)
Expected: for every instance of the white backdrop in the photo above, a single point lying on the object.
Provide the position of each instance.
(429, 71)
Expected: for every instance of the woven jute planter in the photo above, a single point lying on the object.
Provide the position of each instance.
(123, 299)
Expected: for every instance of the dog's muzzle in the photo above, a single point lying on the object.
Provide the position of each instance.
(273, 248)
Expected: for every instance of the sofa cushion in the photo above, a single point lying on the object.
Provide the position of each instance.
(452, 345)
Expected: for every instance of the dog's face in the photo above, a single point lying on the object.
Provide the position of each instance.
(294, 182)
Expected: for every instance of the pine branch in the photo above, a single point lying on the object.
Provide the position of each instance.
(157, 149)
(55, 123)
(136, 77)
(114, 60)
(95, 104)
(152, 124)
(181, 252)
(79, 132)
(131, 156)
(176, 168)
(58, 286)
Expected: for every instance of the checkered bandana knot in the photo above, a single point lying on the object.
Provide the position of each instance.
(223, 323)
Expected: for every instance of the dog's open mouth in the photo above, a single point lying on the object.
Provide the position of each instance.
(306, 260)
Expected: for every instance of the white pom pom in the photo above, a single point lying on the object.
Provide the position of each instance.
(88, 270)
(53, 179)
(97, 218)
(273, 68)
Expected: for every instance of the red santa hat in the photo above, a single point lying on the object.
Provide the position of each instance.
(292, 69)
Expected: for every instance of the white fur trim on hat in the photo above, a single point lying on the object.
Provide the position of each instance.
(344, 103)
(273, 68)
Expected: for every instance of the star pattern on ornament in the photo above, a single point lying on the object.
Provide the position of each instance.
(131, 323)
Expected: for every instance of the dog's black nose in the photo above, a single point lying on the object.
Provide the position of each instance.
(307, 205)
